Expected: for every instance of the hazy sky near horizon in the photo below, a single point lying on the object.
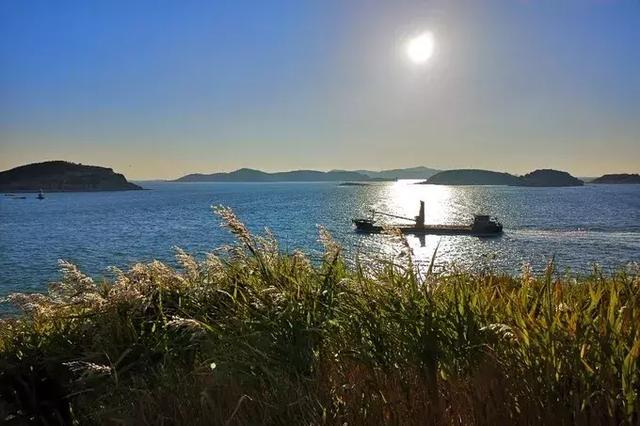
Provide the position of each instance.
(158, 89)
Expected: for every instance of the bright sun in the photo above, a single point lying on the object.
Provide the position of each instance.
(420, 48)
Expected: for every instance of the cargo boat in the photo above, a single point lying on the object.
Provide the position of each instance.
(482, 226)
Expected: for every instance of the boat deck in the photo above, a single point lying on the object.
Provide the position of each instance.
(430, 230)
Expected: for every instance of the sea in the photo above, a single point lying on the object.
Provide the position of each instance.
(578, 227)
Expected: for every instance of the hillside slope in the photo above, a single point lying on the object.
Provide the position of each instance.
(63, 176)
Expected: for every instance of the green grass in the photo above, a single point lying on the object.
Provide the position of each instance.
(254, 336)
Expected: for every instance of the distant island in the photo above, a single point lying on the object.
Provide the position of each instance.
(539, 178)
(621, 178)
(354, 184)
(63, 176)
(251, 175)
(549, 177)
(419, 172)
(472, 177)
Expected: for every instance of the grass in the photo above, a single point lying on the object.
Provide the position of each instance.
(255, 336)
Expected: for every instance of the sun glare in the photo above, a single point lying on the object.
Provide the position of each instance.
(420, 48)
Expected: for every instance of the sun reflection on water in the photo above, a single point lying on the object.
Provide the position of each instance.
(567, 224)
(403, 198)
(443, 205)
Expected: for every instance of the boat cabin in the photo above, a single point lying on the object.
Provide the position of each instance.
(485, 224)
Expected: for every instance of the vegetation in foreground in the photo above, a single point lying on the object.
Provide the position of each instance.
(253, 336)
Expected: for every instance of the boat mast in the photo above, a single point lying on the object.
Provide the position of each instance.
(420, 217)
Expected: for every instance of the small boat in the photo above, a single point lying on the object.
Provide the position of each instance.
(482, 226)
(41, 195)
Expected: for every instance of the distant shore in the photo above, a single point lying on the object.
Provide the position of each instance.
(63, 176)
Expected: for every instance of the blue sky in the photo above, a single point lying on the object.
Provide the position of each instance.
(158, 89)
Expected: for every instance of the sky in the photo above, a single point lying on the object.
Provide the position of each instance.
(159, 89)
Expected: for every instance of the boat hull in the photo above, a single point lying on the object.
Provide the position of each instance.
(431, 230)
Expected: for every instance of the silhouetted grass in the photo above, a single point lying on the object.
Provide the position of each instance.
(254, 336)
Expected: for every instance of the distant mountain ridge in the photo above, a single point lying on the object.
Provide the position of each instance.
(419, 172)
(252, 175)
(539, 178)
(63, 176)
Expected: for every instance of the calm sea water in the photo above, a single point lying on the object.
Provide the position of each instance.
(579, 226)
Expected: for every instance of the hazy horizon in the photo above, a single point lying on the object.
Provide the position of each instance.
(158, 91)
